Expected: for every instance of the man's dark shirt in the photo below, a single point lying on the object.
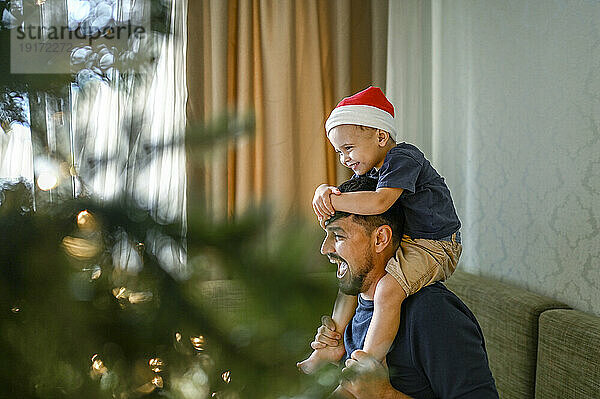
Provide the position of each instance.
(426, 199)
(439, 351)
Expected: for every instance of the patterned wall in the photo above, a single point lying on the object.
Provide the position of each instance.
(517, 135)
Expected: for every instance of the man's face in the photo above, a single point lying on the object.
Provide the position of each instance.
(348, 245)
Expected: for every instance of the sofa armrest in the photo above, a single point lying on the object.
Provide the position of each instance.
(568, 355)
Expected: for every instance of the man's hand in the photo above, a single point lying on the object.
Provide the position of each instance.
(322, 201)
(366, 378)
(326, 335)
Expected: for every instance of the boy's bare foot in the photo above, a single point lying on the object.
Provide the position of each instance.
(319, 357)
(313, 363)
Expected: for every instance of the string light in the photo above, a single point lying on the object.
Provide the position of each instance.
(155, 364)
(157, 381)
(226, 376)
(96, 272)
(198, 343)
(120, 292)
(131, 296)
(98, 367)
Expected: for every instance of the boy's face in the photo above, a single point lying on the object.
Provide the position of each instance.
(360, 149)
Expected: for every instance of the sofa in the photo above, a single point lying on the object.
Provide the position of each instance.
(538, 347)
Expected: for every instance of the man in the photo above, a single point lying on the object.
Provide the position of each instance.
(439, 350)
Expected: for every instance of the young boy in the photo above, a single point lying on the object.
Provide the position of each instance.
(359, 129)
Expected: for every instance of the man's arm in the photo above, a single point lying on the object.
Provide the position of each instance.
(366, 378)
(366, 202)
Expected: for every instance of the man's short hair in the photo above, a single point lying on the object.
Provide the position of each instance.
(393, 217)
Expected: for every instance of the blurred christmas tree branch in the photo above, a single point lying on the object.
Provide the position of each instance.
(63, 292)
(101, 298)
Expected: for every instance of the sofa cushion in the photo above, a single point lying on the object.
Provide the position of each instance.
(568, 355)
(508, 316)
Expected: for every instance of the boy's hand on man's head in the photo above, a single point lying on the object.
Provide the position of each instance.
(322, 201)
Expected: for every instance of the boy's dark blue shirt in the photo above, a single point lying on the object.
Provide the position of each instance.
(426, 199)
(439, 350)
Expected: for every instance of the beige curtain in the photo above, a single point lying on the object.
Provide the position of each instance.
(288, 62)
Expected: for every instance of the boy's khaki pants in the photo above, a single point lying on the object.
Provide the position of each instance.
(420, 262)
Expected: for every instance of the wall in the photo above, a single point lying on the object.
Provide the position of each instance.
(515, 129)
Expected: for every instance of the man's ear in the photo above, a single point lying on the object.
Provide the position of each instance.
(382, 137)
(383, 237)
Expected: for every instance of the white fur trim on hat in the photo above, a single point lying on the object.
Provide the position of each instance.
(362, 115)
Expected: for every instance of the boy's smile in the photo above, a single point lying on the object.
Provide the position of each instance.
(360, 149)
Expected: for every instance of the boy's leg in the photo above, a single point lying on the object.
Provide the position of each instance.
(343, 310)
(417, 263)
(387, 303)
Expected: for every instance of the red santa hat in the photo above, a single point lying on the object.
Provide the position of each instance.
(369, 108)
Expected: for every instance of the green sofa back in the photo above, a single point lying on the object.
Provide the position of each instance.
(509, 319)
(568, 355)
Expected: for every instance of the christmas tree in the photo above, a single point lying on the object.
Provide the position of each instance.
(101, 298)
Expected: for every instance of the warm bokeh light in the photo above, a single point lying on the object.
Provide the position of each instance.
(47, 181)
(157, 381)
(131, 296)
(80, 248)
(226, 376)
(96, 272)
(120, 292)
(86, 221)
(198, 342)
(156, 364)
(98, 367)
(139, 297)
(147, 388)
